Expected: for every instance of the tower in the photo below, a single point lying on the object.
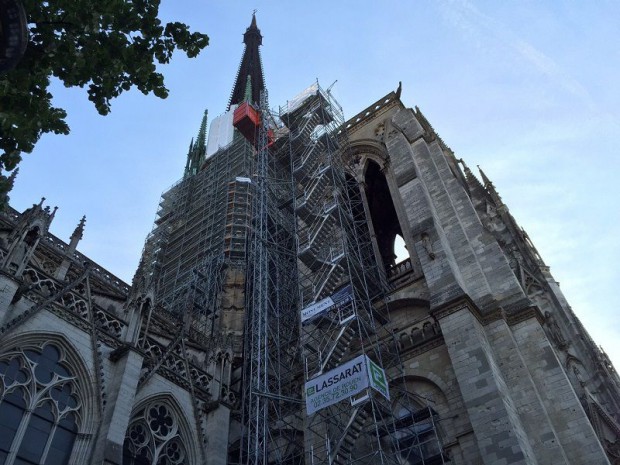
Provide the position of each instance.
(270, 322)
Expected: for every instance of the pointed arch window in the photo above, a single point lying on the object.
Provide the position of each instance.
(39, 407)
(153, 438)
(384, 217)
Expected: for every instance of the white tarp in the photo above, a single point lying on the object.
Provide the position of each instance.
(221, 131)
(300, 98)
(338, 298)
(343, 382)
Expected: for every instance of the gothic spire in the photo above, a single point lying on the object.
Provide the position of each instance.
(488, 185)
(198, 150)
(250, 68)
(79, 230)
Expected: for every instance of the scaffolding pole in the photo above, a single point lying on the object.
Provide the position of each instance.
(271, 422)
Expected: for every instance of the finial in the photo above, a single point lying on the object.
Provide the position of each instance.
(53, 213)
(41, 202)
(486, 180)
(399, 89)
(465, 167)
(490, 188)
(79, 230)
(202, 132)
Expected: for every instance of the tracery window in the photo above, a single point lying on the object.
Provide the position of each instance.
(39, 407)
(153, 438)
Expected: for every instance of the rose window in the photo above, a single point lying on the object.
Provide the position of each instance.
(153, 438)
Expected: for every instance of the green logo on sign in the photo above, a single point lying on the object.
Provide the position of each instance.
(310, 391)
(377, 376)
(378, 379)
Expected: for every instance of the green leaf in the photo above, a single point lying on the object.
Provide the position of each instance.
(110, 46)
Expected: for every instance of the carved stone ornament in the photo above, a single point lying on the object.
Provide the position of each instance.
(380, 131)
(428, 246)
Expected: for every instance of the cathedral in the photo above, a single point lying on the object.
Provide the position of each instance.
(271, 322)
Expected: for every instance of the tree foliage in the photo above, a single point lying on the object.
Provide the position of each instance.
(109, 46)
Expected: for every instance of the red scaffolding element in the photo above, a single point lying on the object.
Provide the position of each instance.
(247, 120)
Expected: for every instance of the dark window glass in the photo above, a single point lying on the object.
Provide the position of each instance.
(11, 413)
(62, 442)
(50, 424)
(35, 439)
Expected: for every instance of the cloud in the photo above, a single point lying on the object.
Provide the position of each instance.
(486, 30)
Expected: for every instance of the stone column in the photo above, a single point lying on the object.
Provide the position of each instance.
(120, 400)
(574, 430)
(499, 433)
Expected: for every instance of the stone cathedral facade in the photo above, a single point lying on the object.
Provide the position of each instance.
(498, 368)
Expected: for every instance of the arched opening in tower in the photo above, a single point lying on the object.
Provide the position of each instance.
(400, 249)
(388, 233)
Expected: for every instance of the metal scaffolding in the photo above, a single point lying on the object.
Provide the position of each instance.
(200, 235)
(271, 410)
(280, 223)
(342, 312)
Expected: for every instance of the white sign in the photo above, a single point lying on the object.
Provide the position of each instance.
(343, 382)
(316, 308)
(338, 298)
(336, 385)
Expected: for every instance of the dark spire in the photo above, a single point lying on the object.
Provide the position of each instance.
(250, 68)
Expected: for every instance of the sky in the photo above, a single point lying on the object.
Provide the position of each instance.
(526, 89)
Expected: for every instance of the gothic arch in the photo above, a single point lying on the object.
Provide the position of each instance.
(416, 419)
(55, 377)
(383, 206)
(439, 388)
(364, 150)
(159, 428)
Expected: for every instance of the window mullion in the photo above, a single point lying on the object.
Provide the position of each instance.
(19, 435)
(49, 442)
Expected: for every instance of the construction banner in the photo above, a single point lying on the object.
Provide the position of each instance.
(339, 298)
(336, 385)
(343, 296)
(345, 381)
(316, 308)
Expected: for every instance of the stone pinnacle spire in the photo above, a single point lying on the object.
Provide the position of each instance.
(197, 150)
(488, 185)
(250, 68)
(79, 230)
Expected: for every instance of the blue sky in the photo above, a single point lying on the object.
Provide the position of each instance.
(528, 90)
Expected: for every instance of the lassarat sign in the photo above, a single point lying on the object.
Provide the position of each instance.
(344, 382)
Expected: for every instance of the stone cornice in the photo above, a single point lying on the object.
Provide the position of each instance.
(465, 302)
(381, 106)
